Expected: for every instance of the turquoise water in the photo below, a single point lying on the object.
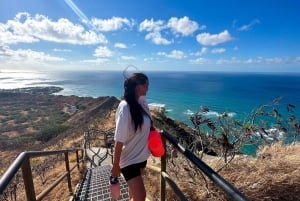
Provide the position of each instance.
(181, 93)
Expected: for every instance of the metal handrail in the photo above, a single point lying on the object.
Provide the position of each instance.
(225, 186)
(23, 162)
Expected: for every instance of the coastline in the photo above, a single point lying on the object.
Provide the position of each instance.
(34, 117)
(80, 110)
(34, 90)
(72, 104)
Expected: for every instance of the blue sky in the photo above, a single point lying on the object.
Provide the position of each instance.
(176, 35)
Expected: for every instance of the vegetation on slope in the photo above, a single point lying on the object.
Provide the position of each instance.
(274, 174)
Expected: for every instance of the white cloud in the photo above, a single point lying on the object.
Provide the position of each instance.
(249, 26)
(157, 39)
(25, 56)
(151, 25)
(128, 58)
(275, 60)
(257, 60)
(95, 61)
(25, 28)
(199, 61)
(8, 37)
(61, 50)
(233, 60)
(218, 50)
(182, 25)
(120, 45)
(156, 29)
(113, 24)
(148, 59)
(201, 52)
(214, 39)
(175, 54)
(103, 52)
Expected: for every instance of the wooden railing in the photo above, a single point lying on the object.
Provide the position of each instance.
(23, 162)
(225, 186)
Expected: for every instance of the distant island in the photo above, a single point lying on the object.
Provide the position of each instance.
(34, 90)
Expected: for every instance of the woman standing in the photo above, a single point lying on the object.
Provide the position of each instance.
(131, 136)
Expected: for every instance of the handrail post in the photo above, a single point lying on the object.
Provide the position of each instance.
(28, 181)
(77, 159)
(69, 174)
(163, 168)
(84, 145)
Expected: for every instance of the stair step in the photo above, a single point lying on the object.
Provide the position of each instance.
(95, 185)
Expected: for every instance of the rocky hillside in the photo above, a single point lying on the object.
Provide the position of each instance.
(33, 119)
(27, 117)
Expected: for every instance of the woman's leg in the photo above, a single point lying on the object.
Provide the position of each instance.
(137, 189)
(143, 171)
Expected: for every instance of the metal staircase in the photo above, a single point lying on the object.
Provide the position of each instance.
(95, 185)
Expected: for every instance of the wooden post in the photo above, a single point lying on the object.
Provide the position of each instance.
(77, 160)
(68, 170)
(28, 181)
(163, 169)
(84, 145)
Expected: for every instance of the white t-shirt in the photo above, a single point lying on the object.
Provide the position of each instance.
(135, 144)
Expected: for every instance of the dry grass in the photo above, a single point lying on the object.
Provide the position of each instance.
(61, 192)
(52, 173)
(6, 158)
(273, 175)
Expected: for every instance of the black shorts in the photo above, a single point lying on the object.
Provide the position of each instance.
(133, 170)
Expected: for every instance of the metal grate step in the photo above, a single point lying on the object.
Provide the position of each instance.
(95, 186)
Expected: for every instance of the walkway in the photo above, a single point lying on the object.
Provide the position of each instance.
(95, 186)
(99, 156)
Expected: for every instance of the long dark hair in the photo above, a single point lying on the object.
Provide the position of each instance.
(136, 109)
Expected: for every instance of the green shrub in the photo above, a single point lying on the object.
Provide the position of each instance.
(50, 132)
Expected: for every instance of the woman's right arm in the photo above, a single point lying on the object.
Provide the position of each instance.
(116, 171)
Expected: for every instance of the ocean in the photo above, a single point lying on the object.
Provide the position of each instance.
(180, 93)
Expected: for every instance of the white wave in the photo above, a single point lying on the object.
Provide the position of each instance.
(270, 135)
(157, 107)
(169, 110)
(188, 112)
(217, 114)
